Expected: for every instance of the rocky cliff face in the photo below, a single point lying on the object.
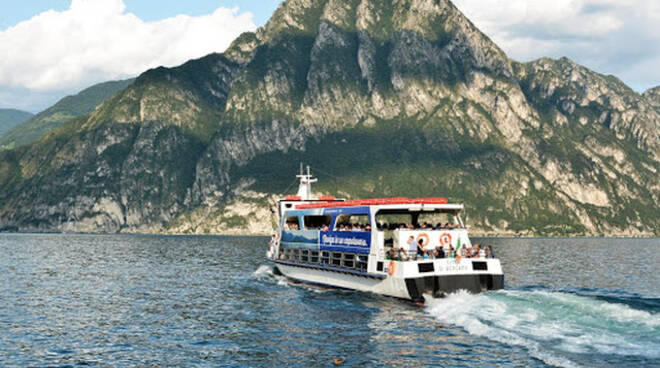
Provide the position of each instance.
(386, 97)
(653, 96)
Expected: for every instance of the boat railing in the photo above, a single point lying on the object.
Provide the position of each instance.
(417, 258)
(397, 254)
(342, 260)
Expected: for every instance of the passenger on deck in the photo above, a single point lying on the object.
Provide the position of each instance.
(412, 246)
(403, 254)
(475, 251)
(450, 252)
(421, 252)
(393, 255)
(469, 251)
(463, 251)
(489, 252)
(439, 252)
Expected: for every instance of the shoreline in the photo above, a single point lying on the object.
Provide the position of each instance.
(244, 234)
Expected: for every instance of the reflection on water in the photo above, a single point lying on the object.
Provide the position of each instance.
(212, 301)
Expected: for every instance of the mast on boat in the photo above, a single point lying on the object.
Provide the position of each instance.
(305, 186)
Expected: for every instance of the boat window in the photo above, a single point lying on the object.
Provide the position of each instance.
(352, 223)
(392, 221)
(437, 220)
(317, 222)
(292, 223)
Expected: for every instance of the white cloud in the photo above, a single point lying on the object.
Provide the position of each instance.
(97, 40)
(620, 37)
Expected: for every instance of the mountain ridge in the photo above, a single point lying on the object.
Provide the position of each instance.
(389, 98)
(64, 110)
(9, 118)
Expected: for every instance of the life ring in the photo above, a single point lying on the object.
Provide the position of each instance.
(425, 236)
(391, 268)
(445, 239)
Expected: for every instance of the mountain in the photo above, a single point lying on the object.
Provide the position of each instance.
(381, 98)
(65, 109)
(653, 96)
(9, 118)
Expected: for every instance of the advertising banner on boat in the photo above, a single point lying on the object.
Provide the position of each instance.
(346, 241)
(305, 239)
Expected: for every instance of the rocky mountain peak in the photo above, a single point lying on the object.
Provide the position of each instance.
(580, 95)
(437, 21)
(653, 96)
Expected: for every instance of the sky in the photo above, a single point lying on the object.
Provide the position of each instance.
(52, 48)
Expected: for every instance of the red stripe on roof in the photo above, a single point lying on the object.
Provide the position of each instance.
(373, 202)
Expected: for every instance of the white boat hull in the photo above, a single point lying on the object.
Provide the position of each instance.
(406, 281)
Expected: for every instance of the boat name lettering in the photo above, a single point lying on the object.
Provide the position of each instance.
(327, 239)
(454, 267)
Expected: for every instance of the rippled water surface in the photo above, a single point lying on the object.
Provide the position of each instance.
(125, 300)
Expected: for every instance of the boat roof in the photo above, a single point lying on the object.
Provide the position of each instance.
(387, 203)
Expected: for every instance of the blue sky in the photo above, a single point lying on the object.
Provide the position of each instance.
(52, 48)
(11, 14)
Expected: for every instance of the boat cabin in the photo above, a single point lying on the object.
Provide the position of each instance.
(364, 235)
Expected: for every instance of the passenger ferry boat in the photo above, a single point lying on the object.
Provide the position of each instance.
(367, 245)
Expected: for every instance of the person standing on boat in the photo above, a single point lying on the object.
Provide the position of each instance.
(421, 252)
(412, 247)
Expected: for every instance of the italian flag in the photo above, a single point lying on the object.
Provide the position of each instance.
(458, 249)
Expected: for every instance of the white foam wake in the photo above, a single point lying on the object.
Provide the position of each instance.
(263, 271)
(548, 324)
(266, 272)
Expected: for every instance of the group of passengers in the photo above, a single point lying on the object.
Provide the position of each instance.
(325, 227)
(424, 226)
(353, 227)
(367, 227)
(291, 226)
(417, 251)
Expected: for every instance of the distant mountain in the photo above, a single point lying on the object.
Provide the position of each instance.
(383, 98)
(9, 118)
(66, 109)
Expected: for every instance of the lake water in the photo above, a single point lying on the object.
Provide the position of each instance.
(132, 300)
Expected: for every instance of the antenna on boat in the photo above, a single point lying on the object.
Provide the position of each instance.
(305, 187)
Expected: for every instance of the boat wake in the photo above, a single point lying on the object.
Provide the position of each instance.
(268, 272)
(561, 328)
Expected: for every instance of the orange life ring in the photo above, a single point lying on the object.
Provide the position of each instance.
(423, 235)
(445, 238)
(391, 268)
